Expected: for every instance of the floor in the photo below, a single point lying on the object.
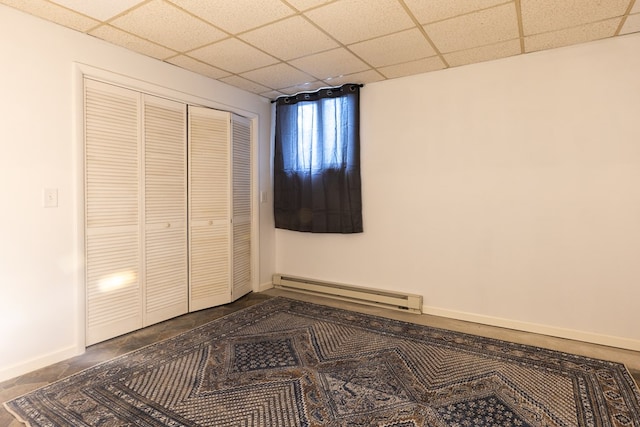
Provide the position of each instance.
(106, 350)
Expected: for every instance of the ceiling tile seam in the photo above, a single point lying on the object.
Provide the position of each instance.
(105, 24)
(322, 79)
(199, 18)
(424, 33)
(340, 45)
(267, 66)
(125, 12)
(253, 81)
(243, 32)
(338, 42)
(495, 6)
(520, 25)
(75, 12)
(624, 18)
(313, 23)
(207, 63)
(235, 36)
(370, 67)
(327, 82)
(178, 52)
(279, 60)
(222, 79)
(480, 47)
(395, 64)
(196, 60)
(318, 6)
(611, 18)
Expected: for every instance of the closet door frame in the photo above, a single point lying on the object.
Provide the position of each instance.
(80, 72)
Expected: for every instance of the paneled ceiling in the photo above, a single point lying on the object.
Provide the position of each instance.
(275, 47)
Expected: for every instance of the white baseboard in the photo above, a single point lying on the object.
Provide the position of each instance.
(590, 337)
(265, 286)
(39, 362)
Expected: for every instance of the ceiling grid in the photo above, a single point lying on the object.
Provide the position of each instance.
(276, 47)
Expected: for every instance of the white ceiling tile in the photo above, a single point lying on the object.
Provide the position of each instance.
(631, 25)
(476, 29)
(363, 77)
(197, 67)
(437, 10)
(244, 84)
(404, 46)
(483, 53)
(332, 63)
(233, 55)
(168, 26)
(539, 16)
(54, 13)
(290, 38)
(100, 10)
(352, 21)
(129, 41)
(570, 36)
(415, 67)
(236, 16)
(278, 76)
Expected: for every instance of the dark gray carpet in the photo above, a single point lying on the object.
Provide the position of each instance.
(291, 363)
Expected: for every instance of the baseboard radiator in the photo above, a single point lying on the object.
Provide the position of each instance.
(375, 297)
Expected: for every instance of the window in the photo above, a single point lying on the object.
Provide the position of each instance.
(317, 162)
(312, 152)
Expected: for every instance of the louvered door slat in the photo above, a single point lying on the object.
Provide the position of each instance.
(209, 135)
(165, 274)
(165, 180)
(209, 208)
(241, 172)
(112, 212)
(113, 277)
(241, 259)
(209, 266)
(111, 150)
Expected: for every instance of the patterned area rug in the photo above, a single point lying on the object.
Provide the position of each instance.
(291, 363)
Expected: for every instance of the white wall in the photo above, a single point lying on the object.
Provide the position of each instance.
(506, 192)
(40, 293)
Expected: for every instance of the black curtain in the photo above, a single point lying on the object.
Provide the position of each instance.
(317, 161)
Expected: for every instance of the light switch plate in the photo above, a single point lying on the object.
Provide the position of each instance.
(50, 198)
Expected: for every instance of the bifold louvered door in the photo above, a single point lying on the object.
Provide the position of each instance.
(209, 208)
(168, 209)
(241, 224)
(136, 210)
(165, 209)
(112, 211)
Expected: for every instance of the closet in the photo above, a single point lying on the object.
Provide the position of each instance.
(167, 209)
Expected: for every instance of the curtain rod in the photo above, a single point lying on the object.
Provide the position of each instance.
(315, 91)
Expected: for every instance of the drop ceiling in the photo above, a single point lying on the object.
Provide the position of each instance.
(276, 47)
